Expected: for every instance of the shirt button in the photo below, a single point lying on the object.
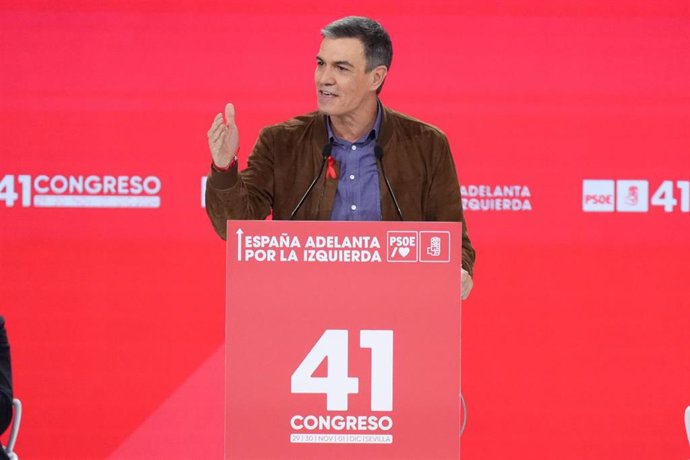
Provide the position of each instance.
(352, 177)
(354, 147)
(353, 207)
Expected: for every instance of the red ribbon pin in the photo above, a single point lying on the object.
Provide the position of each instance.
(330, 170)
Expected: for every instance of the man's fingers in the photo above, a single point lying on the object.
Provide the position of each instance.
(229, 114)
(466, 284)
(218, 120)
(222, 136)
(216, 125)
(467, 288)
(217, 131)
(219, 137)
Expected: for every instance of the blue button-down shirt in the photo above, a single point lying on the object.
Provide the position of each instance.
(358, 196)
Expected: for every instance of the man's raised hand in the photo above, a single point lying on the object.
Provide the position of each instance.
(223, 138)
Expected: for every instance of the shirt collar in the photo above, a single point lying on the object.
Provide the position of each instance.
(373, 134)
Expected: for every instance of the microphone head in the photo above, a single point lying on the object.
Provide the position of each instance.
(378, 152)
(327, 149)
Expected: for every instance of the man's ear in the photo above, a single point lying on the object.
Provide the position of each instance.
(377, 76)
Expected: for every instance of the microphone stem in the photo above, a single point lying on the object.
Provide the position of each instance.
(390, 189)
(326, 154)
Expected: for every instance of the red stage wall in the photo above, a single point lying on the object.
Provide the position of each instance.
(576, 337)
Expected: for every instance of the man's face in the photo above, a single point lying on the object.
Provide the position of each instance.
(342, 83)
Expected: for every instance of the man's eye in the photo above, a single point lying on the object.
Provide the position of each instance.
(342, 69)
(319, 63)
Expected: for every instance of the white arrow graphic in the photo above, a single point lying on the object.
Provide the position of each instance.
(239, 244)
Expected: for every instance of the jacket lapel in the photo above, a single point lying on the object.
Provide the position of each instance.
(387, 142)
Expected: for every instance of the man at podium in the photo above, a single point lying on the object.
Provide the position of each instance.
(352, 159)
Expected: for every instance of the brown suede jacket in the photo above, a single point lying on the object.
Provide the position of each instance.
(288, 156)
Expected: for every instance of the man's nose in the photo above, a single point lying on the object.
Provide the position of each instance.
(325, 76)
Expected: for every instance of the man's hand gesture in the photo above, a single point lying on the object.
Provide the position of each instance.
(223, 138)
(466, 283)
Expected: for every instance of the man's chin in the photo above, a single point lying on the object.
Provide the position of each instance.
(327, 109)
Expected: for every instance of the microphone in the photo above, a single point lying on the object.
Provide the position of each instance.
(378, 151)
(326, 152)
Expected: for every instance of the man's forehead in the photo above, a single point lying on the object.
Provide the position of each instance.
(342, 49)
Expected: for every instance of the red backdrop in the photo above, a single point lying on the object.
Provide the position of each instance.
(575, 338)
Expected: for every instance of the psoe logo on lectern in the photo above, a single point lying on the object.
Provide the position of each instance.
(434, 246)
(402, 246)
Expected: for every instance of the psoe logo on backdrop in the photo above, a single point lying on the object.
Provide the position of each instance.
(499, 198)
(80, 191)
(412, 246)
(628, 195)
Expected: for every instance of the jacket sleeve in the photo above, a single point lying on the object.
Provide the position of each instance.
(246, 195)
(445, 202)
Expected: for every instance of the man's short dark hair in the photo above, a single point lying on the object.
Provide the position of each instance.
(378, 48)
